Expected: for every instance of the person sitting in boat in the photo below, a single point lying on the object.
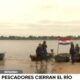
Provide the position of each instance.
(77, 49)
(52, 53)
(39, 51)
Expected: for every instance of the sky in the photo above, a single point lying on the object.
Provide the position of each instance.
(39, 17)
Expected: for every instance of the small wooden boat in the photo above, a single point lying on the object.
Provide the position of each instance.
(77, 58)
(35, 58)
(1, 56)
(65, 57)
(62, 57)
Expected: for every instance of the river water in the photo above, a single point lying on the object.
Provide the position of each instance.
(17, 52)
(21, 49)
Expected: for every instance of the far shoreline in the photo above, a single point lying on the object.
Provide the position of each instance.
(38, 37)
(34, 39)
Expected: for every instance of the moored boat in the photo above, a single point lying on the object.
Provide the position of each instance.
(62, 57)
(2, 56)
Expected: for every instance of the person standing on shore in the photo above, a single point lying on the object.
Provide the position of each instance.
(39, 51)
(44, 46)
(72, 53)
(77, 49)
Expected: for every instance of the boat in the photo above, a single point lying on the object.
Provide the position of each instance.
(65, 57)
(77, 58)
(2, 56)
(35, 58)
(62, 57)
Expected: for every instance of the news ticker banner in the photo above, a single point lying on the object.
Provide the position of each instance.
(39, 76)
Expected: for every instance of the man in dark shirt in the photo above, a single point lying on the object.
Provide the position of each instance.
(72, 53)
(44, 46)
(39, 51)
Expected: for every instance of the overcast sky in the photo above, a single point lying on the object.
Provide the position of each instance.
(40, 17)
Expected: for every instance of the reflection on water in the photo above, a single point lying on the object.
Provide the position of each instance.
(41, 68)
(2, 62)
(26, 66)
(41, 71)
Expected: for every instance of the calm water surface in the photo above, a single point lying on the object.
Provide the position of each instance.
(21, 49)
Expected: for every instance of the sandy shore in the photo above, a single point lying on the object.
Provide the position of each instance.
(30, 67)
(66, 68)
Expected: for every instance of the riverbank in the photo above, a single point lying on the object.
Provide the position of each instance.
(30, 67)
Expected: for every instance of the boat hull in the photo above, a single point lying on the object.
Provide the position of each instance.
(63, 57)
(1, 56)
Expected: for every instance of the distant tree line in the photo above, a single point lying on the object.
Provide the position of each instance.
(36, 37)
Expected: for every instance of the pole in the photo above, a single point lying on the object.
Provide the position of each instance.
(58, 49)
